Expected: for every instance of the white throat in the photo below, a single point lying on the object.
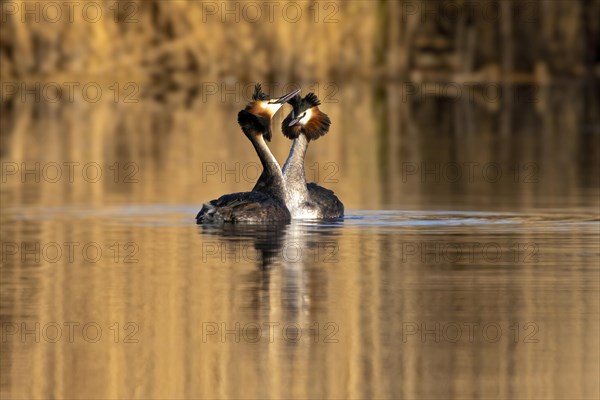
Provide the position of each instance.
(307, 114)
(271, 108)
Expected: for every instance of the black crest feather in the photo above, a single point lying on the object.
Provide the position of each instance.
(311, 100)
(295, 102)
(259, 94)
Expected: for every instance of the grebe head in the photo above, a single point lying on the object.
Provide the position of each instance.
(255, 119)
(305, 118)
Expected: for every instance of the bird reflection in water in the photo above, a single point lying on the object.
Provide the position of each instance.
(288, 259)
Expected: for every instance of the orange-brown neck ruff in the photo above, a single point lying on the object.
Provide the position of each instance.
(317, 126)
(256, 109)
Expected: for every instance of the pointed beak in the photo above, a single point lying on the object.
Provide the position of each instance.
(294, 121)
(284, 99)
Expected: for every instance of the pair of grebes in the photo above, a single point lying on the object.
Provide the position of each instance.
(280, 194)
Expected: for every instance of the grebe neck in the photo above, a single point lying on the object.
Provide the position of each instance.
(293, 173)
(271, 180)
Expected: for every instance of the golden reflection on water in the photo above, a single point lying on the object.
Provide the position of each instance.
(382, 152)
(356, 289)
(360, 295)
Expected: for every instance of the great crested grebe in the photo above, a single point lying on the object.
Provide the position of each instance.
(305, 123)
(266, 202)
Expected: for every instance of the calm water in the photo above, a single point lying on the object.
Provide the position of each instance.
(447, 288)
(382, 304)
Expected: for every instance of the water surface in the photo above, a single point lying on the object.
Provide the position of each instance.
(381, 304)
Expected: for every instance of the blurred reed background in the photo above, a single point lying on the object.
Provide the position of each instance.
(185, 41)
(421, 82)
